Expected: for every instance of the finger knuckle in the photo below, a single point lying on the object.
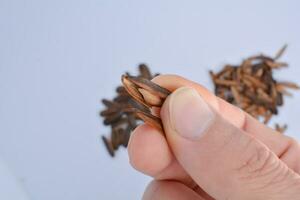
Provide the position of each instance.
(297, 153)
(293, 143)
(292, 151)
(256, 160)
(261, 169)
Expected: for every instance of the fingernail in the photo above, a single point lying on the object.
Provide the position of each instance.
(190, 114)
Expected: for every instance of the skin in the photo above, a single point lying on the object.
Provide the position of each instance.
(237, 157)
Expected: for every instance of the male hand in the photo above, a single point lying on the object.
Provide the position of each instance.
(212, 150)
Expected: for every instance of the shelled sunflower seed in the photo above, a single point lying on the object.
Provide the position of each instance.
(119, 116)
(252, 87)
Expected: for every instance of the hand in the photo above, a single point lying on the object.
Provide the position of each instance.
(212, 150)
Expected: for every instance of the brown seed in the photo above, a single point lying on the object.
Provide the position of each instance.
(279, 99)
(264, 96)
(212, 75)
(133, 90)
(121, 90)
(145, 72)
(289, 85)
(135, 104)
(236, 95)
(259, 72)
(275, 64)
(115, 138)
(282, 89)
(121, 134)
(119, 123)
(267, 116)
(131, 121)
(126, 136)
(226, 73)
(152, 95)
(147, 118)
(147, 85)
(225, 82)
(150, 119)
(150, 98)
(260, 58)
(251, 108)
(108, 103)
(122, 98)
(108, 146)
(256, 82)
(280, 52)
(112, 118)
(111, 110)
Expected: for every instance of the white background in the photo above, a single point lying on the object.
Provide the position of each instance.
(58, 58)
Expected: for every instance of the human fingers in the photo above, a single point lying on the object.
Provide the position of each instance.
(224, 160)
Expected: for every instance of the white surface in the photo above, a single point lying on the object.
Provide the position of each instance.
(10, 187)
(59, 58)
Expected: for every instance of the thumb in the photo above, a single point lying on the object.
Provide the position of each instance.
(223, 160)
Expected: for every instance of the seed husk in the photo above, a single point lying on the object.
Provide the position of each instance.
(147, 118)
(149, 86)
(145, 91)
(150, 98)
(133, 90)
